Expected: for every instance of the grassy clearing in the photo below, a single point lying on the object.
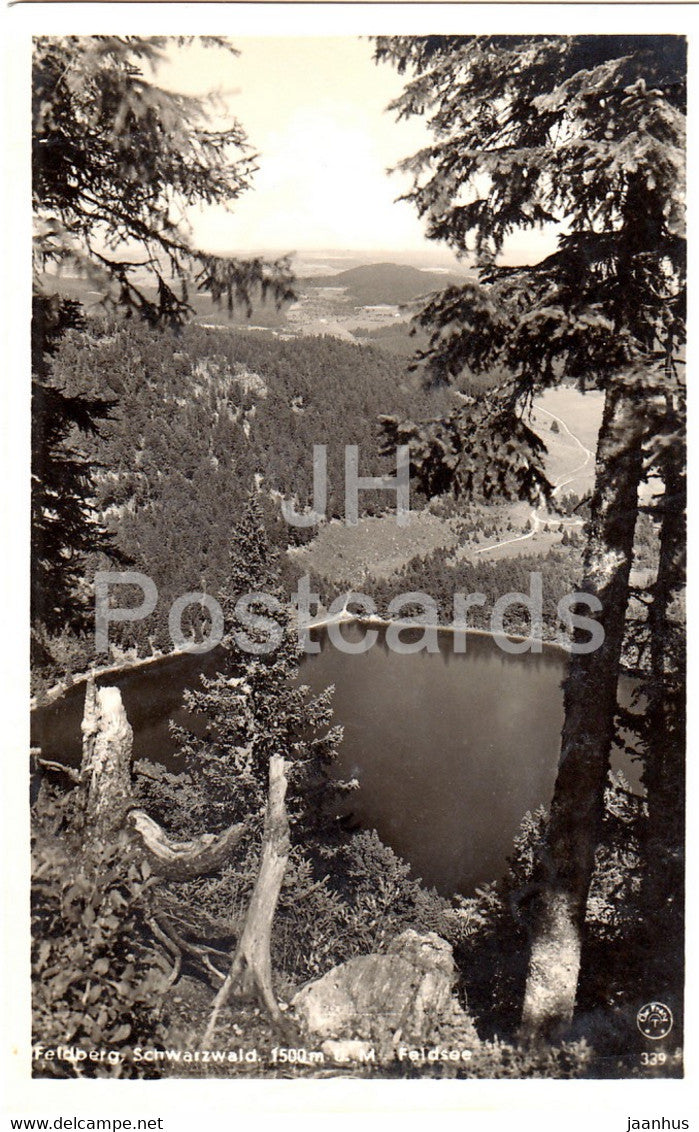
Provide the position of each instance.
(582, 412)
(375, 548)
(378, 547)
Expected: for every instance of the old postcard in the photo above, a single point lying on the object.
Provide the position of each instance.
(358, 533)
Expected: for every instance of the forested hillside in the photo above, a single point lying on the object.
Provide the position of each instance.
(200, 416)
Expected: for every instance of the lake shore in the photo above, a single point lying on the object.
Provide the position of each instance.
(116, 668)
(384, 623)
(58, 690)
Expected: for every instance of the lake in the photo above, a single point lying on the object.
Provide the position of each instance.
(450, 750)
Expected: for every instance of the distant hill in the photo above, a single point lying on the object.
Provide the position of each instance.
(391, 283)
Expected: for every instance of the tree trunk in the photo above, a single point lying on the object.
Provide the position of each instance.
(105, 775)
(664, 763)
(182, 860)
(105, 771)
(590, 699)
(662, 891)
(251, 969)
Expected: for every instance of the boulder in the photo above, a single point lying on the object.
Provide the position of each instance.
(404, 995)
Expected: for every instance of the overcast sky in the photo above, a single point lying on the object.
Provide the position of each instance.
(314, 110)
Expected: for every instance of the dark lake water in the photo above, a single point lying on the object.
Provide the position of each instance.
(450, 750)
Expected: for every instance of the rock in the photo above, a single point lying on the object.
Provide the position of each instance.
(405, 994)
(429, 952)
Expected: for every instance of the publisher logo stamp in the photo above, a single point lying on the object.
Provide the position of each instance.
(654, 1020)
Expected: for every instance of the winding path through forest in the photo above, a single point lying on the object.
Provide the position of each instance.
(535, 517)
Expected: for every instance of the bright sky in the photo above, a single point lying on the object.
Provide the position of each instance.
(314, 110)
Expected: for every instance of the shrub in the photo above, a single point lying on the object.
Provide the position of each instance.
(97, 981)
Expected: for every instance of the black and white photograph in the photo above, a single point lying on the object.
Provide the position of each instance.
(358, 554)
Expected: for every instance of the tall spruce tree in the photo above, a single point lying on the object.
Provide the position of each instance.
(116, 160)
(255, 708)
(64, 527)
(588, 133)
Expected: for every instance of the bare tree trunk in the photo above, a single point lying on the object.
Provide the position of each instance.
(182, 860)
(105, 771)
(251, 969)
(105, 775)
(590, 700)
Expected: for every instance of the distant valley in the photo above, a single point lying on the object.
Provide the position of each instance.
(367, 303)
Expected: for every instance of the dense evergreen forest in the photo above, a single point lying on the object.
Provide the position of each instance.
(440, 578)
(193, 417)
(198, 416)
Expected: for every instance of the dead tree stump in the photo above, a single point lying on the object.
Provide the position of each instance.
(105, 771)
(105, 776)
(251, 969)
